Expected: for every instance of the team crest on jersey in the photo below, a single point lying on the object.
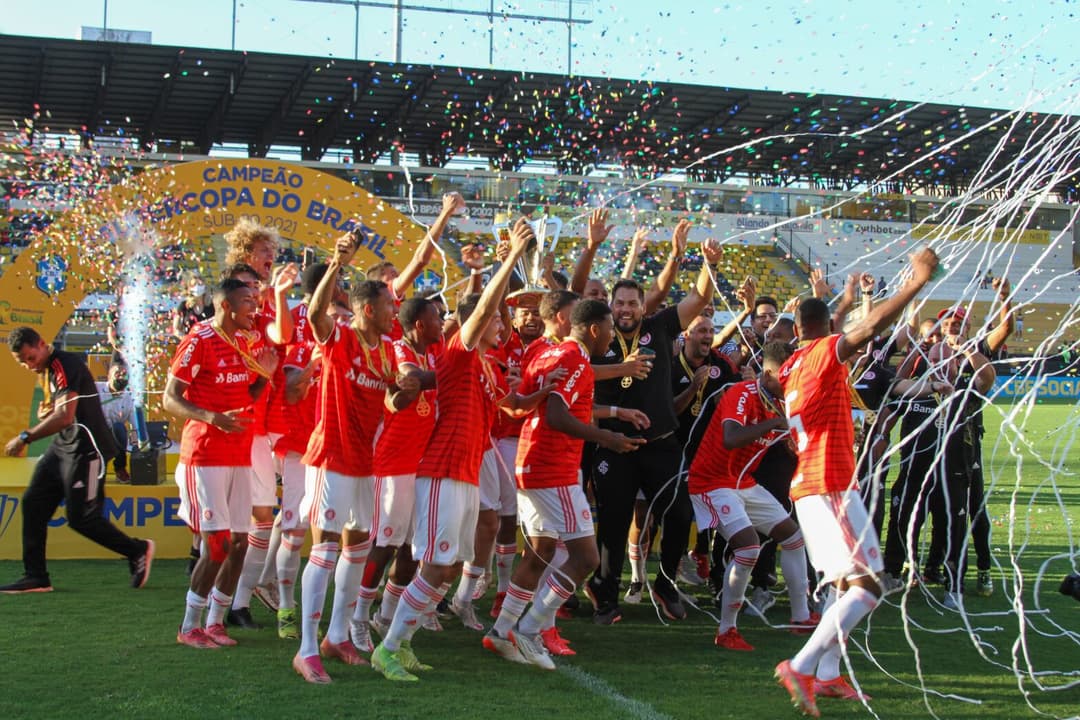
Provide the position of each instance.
(714, 372)
(208, 514)
(387, 532)
(288, 514)
(869, 375)
(646, 338)
(602, 468)
(725, 509)
(444, 546)
(586, 515)
(330, 514)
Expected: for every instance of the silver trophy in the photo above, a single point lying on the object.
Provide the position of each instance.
(547, 231)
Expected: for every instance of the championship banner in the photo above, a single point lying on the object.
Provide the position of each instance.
(85, 248)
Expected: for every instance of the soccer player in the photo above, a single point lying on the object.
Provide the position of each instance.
(250, 244)
(401, 443)
(303, 369)
(725, 497)
(840, 539)
(213, 383)
(447, 502)
(359, 379)
(72, 469)
(654, 467)
(553, 503)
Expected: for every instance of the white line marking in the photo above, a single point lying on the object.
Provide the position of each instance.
(636, 708)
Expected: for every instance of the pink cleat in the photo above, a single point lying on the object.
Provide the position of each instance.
(555, 643)
(838, 687)
(196, 638)
(346, 652)
(218, 635)
(311, 669)
(732, 639)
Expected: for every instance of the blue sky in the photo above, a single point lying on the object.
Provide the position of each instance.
(974, 52)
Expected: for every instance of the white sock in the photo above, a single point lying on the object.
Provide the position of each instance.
(513, 606)
(828, 667)
(835, 625)
(288, 567)
(504, 565)
(365, 597)
(793, 565)
(637, 563)
(195, 604)
(219, 605)
(546, 603)
(557, 561)
(415, 601)
(470, 575)
(348, 577)
(313, 594)
(391, 594)
(269, 573)
(736, 578)
(254, 561)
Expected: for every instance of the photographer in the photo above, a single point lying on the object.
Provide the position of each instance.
(119, 409)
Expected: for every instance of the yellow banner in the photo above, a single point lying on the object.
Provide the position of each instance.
(936, 232)
(85, 247)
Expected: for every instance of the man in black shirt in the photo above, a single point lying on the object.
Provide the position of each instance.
(654, 467)
(72, 469)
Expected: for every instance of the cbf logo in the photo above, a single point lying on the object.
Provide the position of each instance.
(8, 505)
(51, 275)
(427, 282)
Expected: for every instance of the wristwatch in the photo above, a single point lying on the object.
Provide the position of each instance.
(24, 437)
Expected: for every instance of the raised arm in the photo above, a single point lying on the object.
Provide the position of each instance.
(701, 294)
(280, 331)
(492, 296)
(637, 243)
(997, 336)
(923, 265)
(319, 305)
(598, 231)
(654, 297)
(452, 203)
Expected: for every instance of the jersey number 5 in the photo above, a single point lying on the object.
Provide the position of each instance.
(795, 424)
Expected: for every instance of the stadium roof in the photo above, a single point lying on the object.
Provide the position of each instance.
(191, 98)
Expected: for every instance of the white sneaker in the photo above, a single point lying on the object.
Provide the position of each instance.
(532, 649)
(431, 623)
(759, 601)
(688, 571)
(379, 624)
(633, 593)
(503, 647)
(482, 585)
(891, 584)
(360, 634)
(467, 615)
(953, 600)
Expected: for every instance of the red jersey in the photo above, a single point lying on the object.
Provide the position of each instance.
(467, 386)
(270, 407)
(218, 380)
(546, 457)
(351, 402)
(406, 432)
(819, 414)
(302, 415)
(715, 466)
(514, 354)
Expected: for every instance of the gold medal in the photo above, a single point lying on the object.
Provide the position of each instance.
(423, 409)
(384, 361)
(251, 363)
(695, 409)
(627, 381)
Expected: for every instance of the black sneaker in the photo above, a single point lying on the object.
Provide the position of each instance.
(933, 576)
(443, 608)
(242, 618)
(140, 566)
(667, 597)
(607, 614)
(572, 603)
(27, 584)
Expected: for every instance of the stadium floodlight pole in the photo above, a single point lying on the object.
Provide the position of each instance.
(399, 8)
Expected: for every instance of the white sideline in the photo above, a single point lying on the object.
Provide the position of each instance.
(636, 708)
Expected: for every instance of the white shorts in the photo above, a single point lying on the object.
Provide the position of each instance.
(395, 502)
(559, 512)
(840, 538)
(446, 515)
(498, 490)
(334, 502)
(730, 511)
(215, 498)
(264, 468)
(293, 474)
